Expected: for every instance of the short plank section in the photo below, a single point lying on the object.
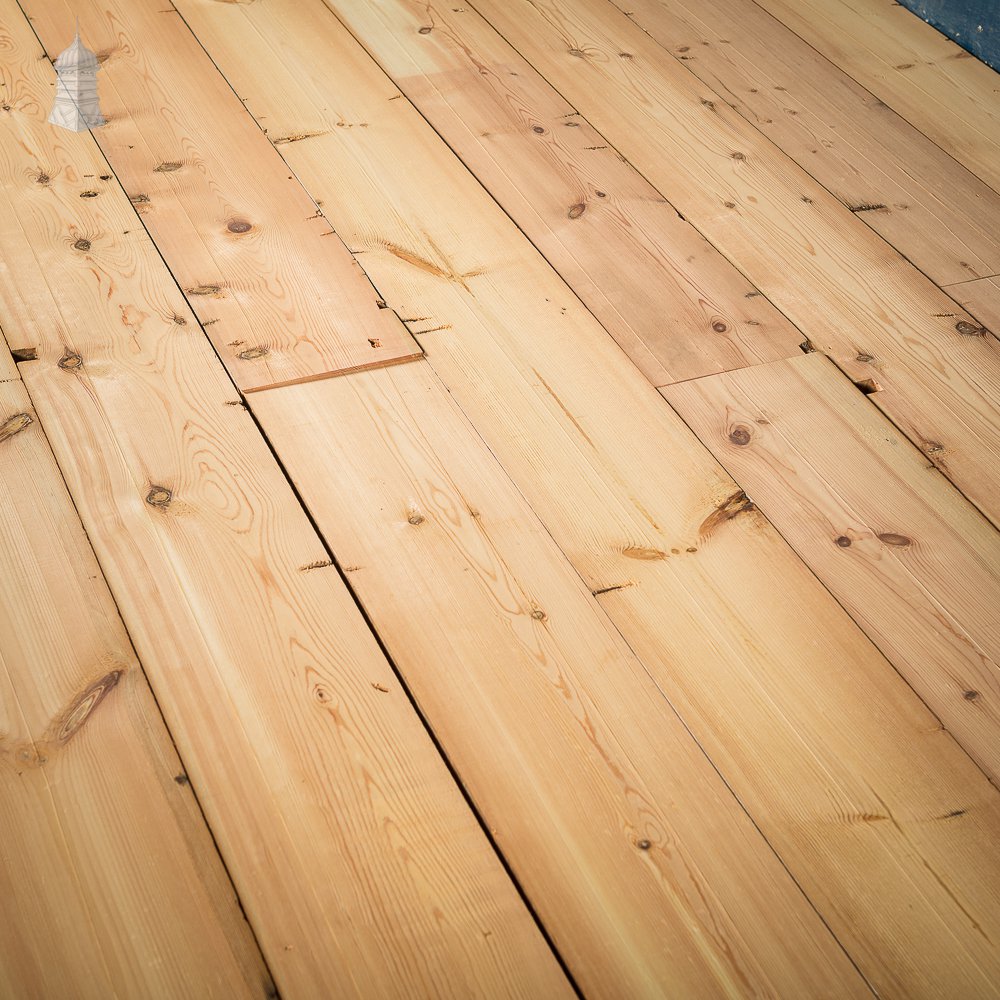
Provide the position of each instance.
(814, 730)
(913, 563)
(605, 807)
(933, 210)
(933, 83)
(110, 880)
(675, 305)
(354, 853)
(852, 295)
(279, 295)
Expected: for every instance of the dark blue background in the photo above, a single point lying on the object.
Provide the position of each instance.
(973, 24)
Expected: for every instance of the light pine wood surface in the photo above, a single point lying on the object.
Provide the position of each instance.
(601, 801)
(352, 849)
(909, 558)
(111, 882)
(930, 80)
(279, 296)
(543, 455)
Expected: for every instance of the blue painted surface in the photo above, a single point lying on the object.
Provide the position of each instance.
(973, 24)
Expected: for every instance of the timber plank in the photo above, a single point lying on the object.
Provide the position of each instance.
(8, 370)
(813, 729)
(930, 80)
(354, 852)
(912, 562)
(608, 812)
(279, 296)
(937, 213)
(853, 296)
(672, 302)
(110, 880)
(981, 298)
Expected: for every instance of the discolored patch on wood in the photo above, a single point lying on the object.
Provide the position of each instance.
(75, 717)
(843, 541)
(898, 541)
(868, 206)
(168, 167)
(643, 553)
(88, 194)
(24, 353)
(82, 245)
(575, 211)
(740, 436)
(14, 425)
(726, 511)
(70, 361)
(239, 226)
(203, 290)
(253, 353)
(970, 329)
(159, 496)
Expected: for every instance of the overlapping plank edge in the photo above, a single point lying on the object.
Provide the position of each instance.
(912, 562)
(672, 302)
(853, 296)
(277, 292)
(927, 78)
(937, 213)
(814, 730)
(607, 811)
(110, 880)
(353, 850)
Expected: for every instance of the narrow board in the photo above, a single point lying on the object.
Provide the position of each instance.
(673, 303)
(912, 562)
(815, 732)
(853, 296)
(355, 854)
(939, 215)
(277, 292)
(981, 298)
(933, 83)
(110, 880)
(607, 810)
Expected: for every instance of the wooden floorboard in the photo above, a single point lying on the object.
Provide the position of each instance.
(930, 80)
(737, 632)
(488, 679)
(852, 296)
(603, 804)
(673, 303)
(935, 212)
(354, 853)
(908, 557)
(279, 296)
(98, 818)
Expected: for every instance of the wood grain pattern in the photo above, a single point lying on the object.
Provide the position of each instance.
(912, 562)
(606, 809)
(279, 295)
(853, 296)
(939, 215)
(111, 882)
(673, 303)
(818, 736)
(933, 83)
(354, 852)
(981, 298)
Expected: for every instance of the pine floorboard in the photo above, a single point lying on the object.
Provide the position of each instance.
(636, 635)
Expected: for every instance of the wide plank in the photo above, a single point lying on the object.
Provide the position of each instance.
(853, 296)
(276, 291)
(931, 81)
(98, 819)
(674, 304)
(606, 809)
(811, 727)
(356, 856)
(938, 214)
(908, 557)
